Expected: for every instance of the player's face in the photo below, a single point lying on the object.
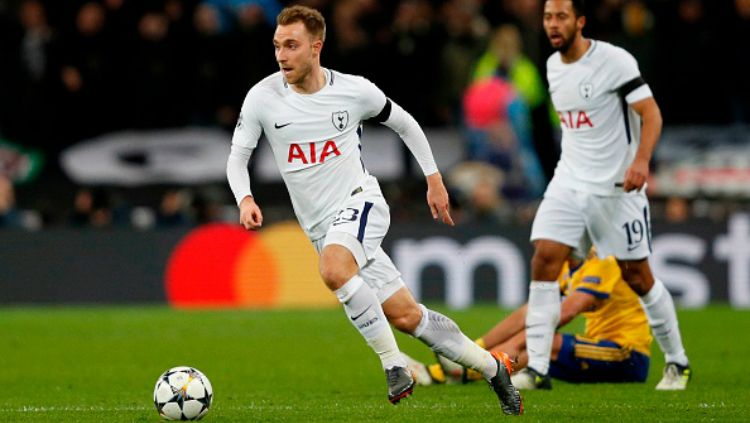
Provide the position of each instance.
(561, 24)
(296, 51)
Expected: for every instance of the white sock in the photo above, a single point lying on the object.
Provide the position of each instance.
(444, 337)
(364, 311)
(542, 318)
(663, 320)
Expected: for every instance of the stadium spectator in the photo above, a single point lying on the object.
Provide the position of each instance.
(156, 82)
(207, 206)
(504, 58)
(74, 70)
(29, 78)
(524, 14)
(349, 42)
(208, 66)
(498, 132)
(246, 11)
(173, 209)
(637, 36)
(415, 43)
(91, 208)
(250, 62)
(739, 54)
(86, 74)
(466, 31)
(692, 35)
(9, 217)
(677, 210)
(478, 187)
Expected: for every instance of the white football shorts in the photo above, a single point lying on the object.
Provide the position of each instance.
(360, 226)
(617, 225)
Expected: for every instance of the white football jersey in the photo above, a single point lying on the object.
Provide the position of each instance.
(315, 139)
(600, 132)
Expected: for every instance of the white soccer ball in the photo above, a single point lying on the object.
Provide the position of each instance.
(183, 393)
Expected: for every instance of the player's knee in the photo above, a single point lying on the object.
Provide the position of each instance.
(336, 267)
(334, 275)
(406, 319)
(546, 263)
(639, 285)
(637, 276)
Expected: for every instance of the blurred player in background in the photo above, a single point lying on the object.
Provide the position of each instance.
(615, 346)
(312, 119)
(610, 124)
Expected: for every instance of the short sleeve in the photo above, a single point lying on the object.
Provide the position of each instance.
(373, 99)
(626, 77)
(248, 130)
(598, 277)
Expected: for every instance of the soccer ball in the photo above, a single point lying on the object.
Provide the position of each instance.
(183, 393)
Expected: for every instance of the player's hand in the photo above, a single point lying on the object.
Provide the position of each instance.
(250, 216)
(636, 175)
(437, 199)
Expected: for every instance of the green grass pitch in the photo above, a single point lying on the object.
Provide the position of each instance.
(100, 364)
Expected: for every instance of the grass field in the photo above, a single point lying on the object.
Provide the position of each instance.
(100, 364)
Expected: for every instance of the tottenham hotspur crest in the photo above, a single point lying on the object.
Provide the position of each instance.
(586, 90)
(340, 119)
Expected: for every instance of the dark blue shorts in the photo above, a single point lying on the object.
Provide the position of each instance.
(583, 361)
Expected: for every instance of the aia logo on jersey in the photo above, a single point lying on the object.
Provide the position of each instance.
(340, 119)
(586, 90)
(306, 153)
(575, 119)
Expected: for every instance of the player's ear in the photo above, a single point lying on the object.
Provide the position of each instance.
(580, 22)
(317, 46)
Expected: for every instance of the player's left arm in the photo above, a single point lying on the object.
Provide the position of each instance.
(398, 119)
(506, 329)
(637, 173)
(574, 304)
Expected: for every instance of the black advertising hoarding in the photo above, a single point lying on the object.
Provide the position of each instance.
(700, 262)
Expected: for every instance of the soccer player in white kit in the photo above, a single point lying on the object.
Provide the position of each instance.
(610, 125)
(312, 119)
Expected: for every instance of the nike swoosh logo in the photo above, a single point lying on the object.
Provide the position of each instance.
(633, 248)
(536, 325)
(277, 126)
(360, 314)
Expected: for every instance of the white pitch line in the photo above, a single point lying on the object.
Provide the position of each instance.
(52, 409)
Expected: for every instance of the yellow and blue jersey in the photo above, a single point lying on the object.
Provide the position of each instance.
(616, 343)
(619, 317)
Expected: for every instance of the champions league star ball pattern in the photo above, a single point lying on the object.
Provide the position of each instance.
(183, 393)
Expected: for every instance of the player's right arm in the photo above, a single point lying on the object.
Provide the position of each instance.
(244, 141)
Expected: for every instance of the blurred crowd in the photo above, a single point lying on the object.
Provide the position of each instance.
(75, 69)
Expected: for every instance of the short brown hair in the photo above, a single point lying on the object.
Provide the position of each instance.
(311, 18)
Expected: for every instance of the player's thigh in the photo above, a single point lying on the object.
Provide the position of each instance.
(620, 225)
(559, 218)
(581, 360)
(565, 366)
(360, 226)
